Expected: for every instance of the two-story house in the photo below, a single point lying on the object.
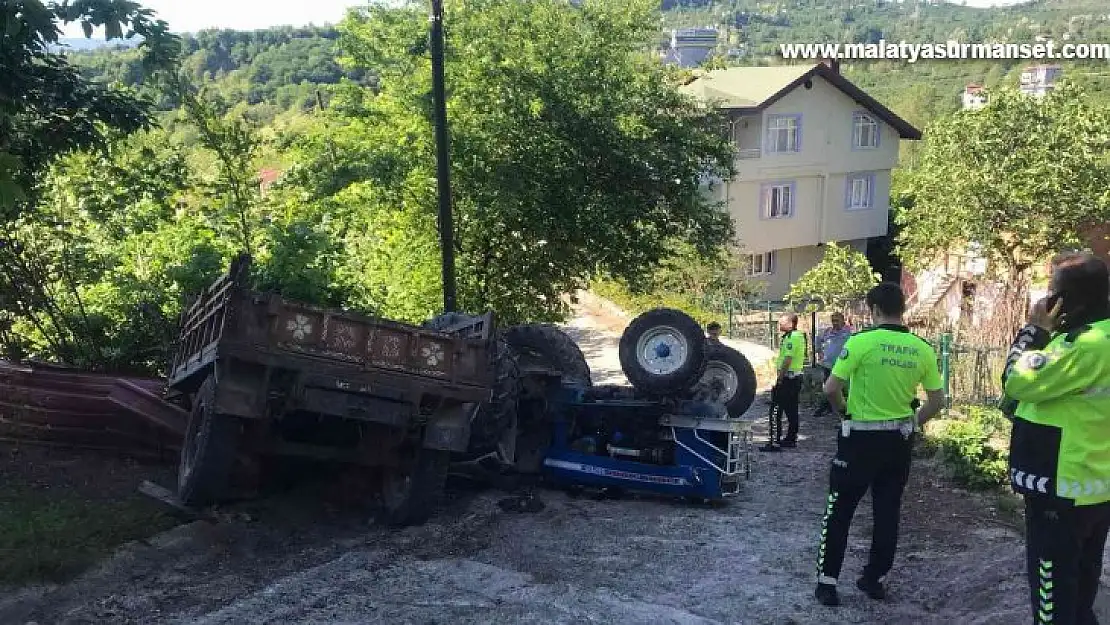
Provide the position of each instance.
(814, 156)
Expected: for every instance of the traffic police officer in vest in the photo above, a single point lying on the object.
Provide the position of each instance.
(883, 366)
(788, 387)
(1059, 374)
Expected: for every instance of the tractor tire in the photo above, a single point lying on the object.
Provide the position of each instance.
(208, 452)
(662, 352)
(496, 417)
(411, 492)
(552, 347)
(729, 379)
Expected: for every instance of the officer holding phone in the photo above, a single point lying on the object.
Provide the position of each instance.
(1057, 381)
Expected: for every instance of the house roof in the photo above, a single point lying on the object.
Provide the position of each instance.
(756, 88)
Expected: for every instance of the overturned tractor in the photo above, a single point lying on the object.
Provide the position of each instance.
(263, 377)
(675, 430)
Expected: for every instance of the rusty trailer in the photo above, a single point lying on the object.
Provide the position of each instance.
(266, 376)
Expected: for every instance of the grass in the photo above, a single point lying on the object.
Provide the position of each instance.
(53, 535)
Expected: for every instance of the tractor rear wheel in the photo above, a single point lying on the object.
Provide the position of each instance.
(497, 416)
(548, 346)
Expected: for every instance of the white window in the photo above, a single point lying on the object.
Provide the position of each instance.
(860, 192)
(762, 264)
(778, 201)
(865, 131)
(784, 133)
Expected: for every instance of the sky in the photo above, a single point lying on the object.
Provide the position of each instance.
(189, 16)
(193, 15)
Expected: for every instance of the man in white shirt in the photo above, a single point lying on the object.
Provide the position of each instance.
(830, 342)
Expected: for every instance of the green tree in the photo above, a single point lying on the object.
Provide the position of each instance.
(1022, 178)
(106, 259)
(49, 111)
(842, 276)
(234, 141)
(573, 154)
(47, 108)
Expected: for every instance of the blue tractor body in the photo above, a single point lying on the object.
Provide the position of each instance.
(677, 448)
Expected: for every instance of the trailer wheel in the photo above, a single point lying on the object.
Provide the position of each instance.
(662, 352)
(208, 451)
(496, 417)
(411, 492)
(729, 379)
(550, 347)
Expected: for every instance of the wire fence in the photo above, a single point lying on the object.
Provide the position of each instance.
(972, 374)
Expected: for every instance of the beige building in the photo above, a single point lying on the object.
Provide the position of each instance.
(814, 155)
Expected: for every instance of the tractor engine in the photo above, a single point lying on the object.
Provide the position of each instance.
(626, 430)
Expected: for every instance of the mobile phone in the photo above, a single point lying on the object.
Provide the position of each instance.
(1050, 301)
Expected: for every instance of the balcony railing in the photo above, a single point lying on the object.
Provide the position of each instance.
(748, 153)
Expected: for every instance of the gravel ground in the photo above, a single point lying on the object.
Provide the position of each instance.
(578, 560)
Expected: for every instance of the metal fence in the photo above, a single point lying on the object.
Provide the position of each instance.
(756, 321)
(972, 374)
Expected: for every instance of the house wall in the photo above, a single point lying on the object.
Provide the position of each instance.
(819, 173)
(791, 263)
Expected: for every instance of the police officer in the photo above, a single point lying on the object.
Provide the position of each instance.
(1059, 373)
(784, 395)
(883, 365)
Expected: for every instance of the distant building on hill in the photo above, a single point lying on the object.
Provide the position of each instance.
(975, 96)
(690, 47)
(1037, 80)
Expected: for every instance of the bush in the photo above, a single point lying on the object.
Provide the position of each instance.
(972, 441)
(636, 303)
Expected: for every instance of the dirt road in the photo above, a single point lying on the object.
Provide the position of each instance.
(578, 560)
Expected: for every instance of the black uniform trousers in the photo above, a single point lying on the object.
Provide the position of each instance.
(1063, 551)
(786, 395)
(879, 461)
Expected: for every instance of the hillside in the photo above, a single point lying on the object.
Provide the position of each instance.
(282, 69)
(279, 68)
(919, 91)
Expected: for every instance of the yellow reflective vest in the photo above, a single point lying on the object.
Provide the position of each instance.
(1060, 443)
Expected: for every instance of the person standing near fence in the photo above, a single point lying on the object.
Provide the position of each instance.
(829, 344)
(788, 386)
(1058, 372)
(713, 333)
(884, 365)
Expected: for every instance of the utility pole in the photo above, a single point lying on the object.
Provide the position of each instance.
(443, 163)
